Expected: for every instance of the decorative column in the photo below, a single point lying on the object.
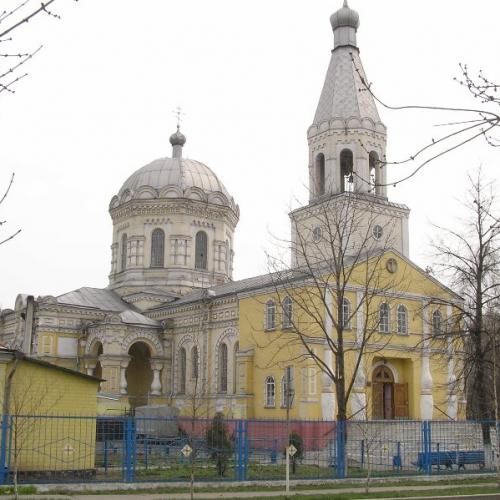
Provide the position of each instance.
(111, 372)
(167, 374)
(90, 367)
(358, 400)
(123, 378)
(328, 402)
(156, 383)
(426, 398)
(328, 388)
(452, 379)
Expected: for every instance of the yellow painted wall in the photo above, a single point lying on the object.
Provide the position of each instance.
(41, 442)
(275, 349)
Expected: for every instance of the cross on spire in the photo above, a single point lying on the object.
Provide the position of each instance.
(178, 114)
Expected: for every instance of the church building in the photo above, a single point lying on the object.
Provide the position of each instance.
(174, 328)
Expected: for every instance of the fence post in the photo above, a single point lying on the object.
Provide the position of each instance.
(3, 449)
(245, 450)
(427, 446)
(241, 450)
(341, 427)
(237, 444)
(129, 449)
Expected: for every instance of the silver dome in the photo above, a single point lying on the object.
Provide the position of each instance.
(345, 17)
(178, 138)
(175, 178)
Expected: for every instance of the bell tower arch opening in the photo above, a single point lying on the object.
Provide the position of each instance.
(346, 171)
(375, 173)
(139, 374)
(319, 175)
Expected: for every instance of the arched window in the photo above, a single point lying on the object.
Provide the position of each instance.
(270, 392)
(402, 320)
(384, 318)
(201, 248)
(320, 174)
(346, 170)
(235, 367)
(194, 363)
(287, 312)
(437, 322)
(157, 248)
(182, 371)
(123, 264)
(223, 368)
(374, 164)
(346, 313)
(270, 315)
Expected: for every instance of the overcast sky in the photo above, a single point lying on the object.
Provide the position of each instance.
(98, 104)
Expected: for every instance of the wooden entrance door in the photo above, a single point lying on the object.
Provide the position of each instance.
(390, 400)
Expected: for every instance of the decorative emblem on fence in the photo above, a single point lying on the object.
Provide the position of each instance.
(187, 450)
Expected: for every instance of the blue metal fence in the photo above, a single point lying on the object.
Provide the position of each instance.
(60, 448)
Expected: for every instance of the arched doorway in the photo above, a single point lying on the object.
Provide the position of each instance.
(390, 399)
(139, 374)
(383, 393)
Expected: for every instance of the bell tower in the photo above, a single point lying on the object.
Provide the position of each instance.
(347, 143)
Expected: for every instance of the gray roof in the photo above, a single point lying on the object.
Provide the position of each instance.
(287, 276)
(104, 299)
(96, 298)
(175, 178)
(341, 97)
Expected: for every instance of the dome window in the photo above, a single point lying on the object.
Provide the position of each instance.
(123, 264)
(201, 247)
(157, 248)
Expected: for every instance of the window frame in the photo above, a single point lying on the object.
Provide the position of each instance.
(270, 313)
(157, 257)
(123, 254)
(201, 251)
(437, 314)
(402, 320)
(287, 313)
(182, 370)
(222, 366)
(346, 325)
(270, 396)
(384, 324)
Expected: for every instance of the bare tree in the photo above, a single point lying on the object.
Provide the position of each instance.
(340, 291)
(13, 18)
(2, 222)
(469, 259)
(470, 123)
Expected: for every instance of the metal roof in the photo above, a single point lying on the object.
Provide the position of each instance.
(180, 174)
(104, 299)
(341, 96)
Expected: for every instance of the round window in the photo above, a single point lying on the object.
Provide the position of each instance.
(377, 232)
(317, 234)
(391, 265)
